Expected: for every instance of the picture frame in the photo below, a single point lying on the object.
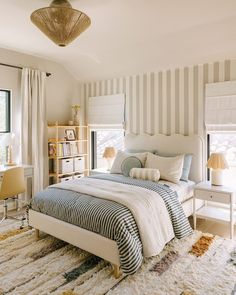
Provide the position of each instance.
(70, 134)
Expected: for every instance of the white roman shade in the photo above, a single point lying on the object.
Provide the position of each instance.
(106, 111)
(220, 108)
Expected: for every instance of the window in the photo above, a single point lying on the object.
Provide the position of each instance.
(5, 114)
(100, 139)
(225, 143)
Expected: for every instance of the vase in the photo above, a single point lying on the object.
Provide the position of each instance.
(76, 117)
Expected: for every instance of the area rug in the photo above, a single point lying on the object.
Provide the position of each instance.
(50, 266)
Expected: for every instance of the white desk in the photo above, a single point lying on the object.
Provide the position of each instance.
(28, 172)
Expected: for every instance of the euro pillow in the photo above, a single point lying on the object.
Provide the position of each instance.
(121, 156)
(129, 163)
(186, 165)
(170, 167)
(145, 174)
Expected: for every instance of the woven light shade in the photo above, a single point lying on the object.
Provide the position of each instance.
(217, 161)
(60, 22)
(109, 152)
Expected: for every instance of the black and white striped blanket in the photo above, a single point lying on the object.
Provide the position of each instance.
(109, 218)
(179, 221)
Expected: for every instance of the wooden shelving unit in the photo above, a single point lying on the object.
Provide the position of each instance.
(60, 149)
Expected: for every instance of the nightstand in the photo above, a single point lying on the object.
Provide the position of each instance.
(219, 204)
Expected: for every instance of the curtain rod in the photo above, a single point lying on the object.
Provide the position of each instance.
(20, 68)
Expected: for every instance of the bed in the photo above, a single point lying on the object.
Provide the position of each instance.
(103, 245)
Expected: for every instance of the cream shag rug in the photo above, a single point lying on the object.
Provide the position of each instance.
(50, 266)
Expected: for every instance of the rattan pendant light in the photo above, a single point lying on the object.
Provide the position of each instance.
(60, 22)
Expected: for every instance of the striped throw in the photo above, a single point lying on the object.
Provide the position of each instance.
(145, 174)
(107, 218)
(178, 218)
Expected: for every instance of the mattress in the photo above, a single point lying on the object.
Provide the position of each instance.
(184, 189)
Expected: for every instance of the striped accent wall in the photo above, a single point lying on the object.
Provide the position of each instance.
(164, 102)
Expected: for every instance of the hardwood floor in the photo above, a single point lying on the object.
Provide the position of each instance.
(215, 228)
(14, 213)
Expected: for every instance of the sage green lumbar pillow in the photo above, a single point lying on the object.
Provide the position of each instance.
(129, 163)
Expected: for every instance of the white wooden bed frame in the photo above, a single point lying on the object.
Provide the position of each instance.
(104, 247)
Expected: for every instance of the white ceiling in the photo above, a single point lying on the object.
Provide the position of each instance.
(128, 36)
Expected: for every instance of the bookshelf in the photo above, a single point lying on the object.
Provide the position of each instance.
(67, 158)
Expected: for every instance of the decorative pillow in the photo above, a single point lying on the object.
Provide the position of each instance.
(186, 165)
(170, 167)
(129, 163)
(145, 174)
(121, 156)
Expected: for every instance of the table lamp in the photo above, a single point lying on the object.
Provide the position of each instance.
(109, 154)
(217, 163)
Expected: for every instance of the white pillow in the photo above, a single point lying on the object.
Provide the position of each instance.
(145, 174)
(170, 167)
(121, 156)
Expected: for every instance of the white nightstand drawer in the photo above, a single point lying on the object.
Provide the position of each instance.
(212, 196)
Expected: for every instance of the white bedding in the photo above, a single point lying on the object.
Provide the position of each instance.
(184, 189)
(149, 211)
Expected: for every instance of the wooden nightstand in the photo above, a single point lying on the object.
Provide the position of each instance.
(222, 210)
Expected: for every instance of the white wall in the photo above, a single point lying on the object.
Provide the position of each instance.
(61, 88)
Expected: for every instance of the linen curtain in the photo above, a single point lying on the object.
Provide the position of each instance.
(33, 132)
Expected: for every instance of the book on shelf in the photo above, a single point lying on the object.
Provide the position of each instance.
(52, 150)
(64, 149)
(60, 150)
(74, 148)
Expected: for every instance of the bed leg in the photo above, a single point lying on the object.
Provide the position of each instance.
(36, 234)
(116, 271)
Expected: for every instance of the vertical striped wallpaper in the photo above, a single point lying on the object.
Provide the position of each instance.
(165, 102)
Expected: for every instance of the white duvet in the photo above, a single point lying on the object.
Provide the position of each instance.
(147, 207)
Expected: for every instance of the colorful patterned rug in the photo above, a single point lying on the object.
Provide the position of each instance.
(199, 264)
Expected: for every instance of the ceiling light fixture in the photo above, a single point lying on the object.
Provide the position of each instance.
(60, 22)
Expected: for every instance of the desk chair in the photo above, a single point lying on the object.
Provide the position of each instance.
(12, 184)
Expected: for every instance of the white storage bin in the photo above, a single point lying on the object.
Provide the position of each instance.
(65, 166)
(66, 178)
(79, 164)
(78, 176)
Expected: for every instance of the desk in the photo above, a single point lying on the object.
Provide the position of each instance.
(28, 172)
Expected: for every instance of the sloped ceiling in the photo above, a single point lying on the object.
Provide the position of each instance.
(128, 36)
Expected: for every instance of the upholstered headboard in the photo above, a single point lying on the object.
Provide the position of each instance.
(172, 145)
